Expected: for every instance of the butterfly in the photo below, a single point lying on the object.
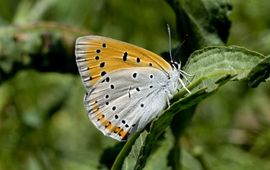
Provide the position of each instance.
(126, 86)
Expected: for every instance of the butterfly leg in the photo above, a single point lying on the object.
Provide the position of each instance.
(184, 74)
(168, 102)
(168, 98)
(183, 85)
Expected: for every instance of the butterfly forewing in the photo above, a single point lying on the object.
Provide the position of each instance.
(96, 56)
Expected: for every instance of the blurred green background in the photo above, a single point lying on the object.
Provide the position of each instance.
(43, 123)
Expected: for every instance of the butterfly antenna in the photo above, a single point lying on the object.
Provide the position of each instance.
(178, 49)
(170, 42)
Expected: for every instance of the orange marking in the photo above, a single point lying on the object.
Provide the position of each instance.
(122, 133)
(111, 128)
(95, 109)
(101, 117)
(104, 121)
(117, 129)
(108, 125)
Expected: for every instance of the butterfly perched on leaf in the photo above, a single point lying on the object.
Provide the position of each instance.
(126, 86)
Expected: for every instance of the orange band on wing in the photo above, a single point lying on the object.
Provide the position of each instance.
(110, 127)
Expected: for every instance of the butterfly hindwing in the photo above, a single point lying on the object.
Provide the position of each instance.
(128, 106)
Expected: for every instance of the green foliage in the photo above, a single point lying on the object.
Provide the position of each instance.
(211, 67)
(42, 119)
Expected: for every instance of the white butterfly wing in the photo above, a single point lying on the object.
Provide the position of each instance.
(126, 100)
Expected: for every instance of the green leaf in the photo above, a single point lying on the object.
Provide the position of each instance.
(211, 67)
(210, 19)
(177, 130)
(134, 153)
(200, 23)
(126, 150)
(158, 160)
(259, 73)
(210, 64)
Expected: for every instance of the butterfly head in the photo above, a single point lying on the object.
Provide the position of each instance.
(178, 75)
(176, 65)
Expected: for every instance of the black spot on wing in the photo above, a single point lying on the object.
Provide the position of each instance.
(103, 73)
(102, 64)
(134, 75)
(125, 56)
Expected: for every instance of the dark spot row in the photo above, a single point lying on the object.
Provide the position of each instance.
(134, 75)
(138, 60)
(98, 50)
